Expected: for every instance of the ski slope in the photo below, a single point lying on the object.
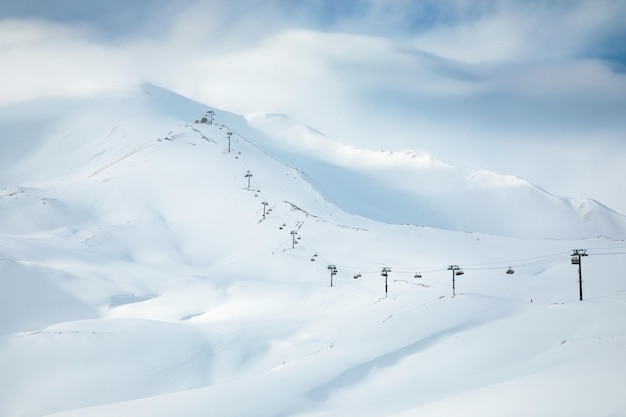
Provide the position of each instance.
(414, 188)
(139, 275)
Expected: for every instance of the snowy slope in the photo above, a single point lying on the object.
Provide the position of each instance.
(139, 277)
(413, 188)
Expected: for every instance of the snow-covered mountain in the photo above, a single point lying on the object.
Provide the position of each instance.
(412, 188)
(142, 273)
(392, 187)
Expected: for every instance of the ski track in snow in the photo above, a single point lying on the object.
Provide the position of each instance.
(127, 155)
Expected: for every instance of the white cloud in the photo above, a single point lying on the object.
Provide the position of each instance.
(41, 59)
(524, 31)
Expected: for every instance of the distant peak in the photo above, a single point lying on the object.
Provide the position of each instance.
(279, 121)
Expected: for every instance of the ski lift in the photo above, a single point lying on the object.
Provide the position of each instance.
(357, 276)
(510, 271)
(575, 259)
(459, 272)
(299, 237)
(315, 255)
(280, 227)
(312, 258)
(417, 275)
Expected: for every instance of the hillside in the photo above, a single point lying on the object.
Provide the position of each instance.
(414, 188)
(142, 275)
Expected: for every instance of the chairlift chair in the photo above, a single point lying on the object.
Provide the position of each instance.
(510, 271)
(459, 273)
(417, 275)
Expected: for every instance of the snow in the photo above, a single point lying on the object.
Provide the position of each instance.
(413, 188)
(138, 276)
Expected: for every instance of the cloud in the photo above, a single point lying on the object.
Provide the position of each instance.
(106, 19)
(526, 31)
(40, 58)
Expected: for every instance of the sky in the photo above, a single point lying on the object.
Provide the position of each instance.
(532, 88)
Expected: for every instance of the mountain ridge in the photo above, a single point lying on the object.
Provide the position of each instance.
(392, 187)
(297, 144)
